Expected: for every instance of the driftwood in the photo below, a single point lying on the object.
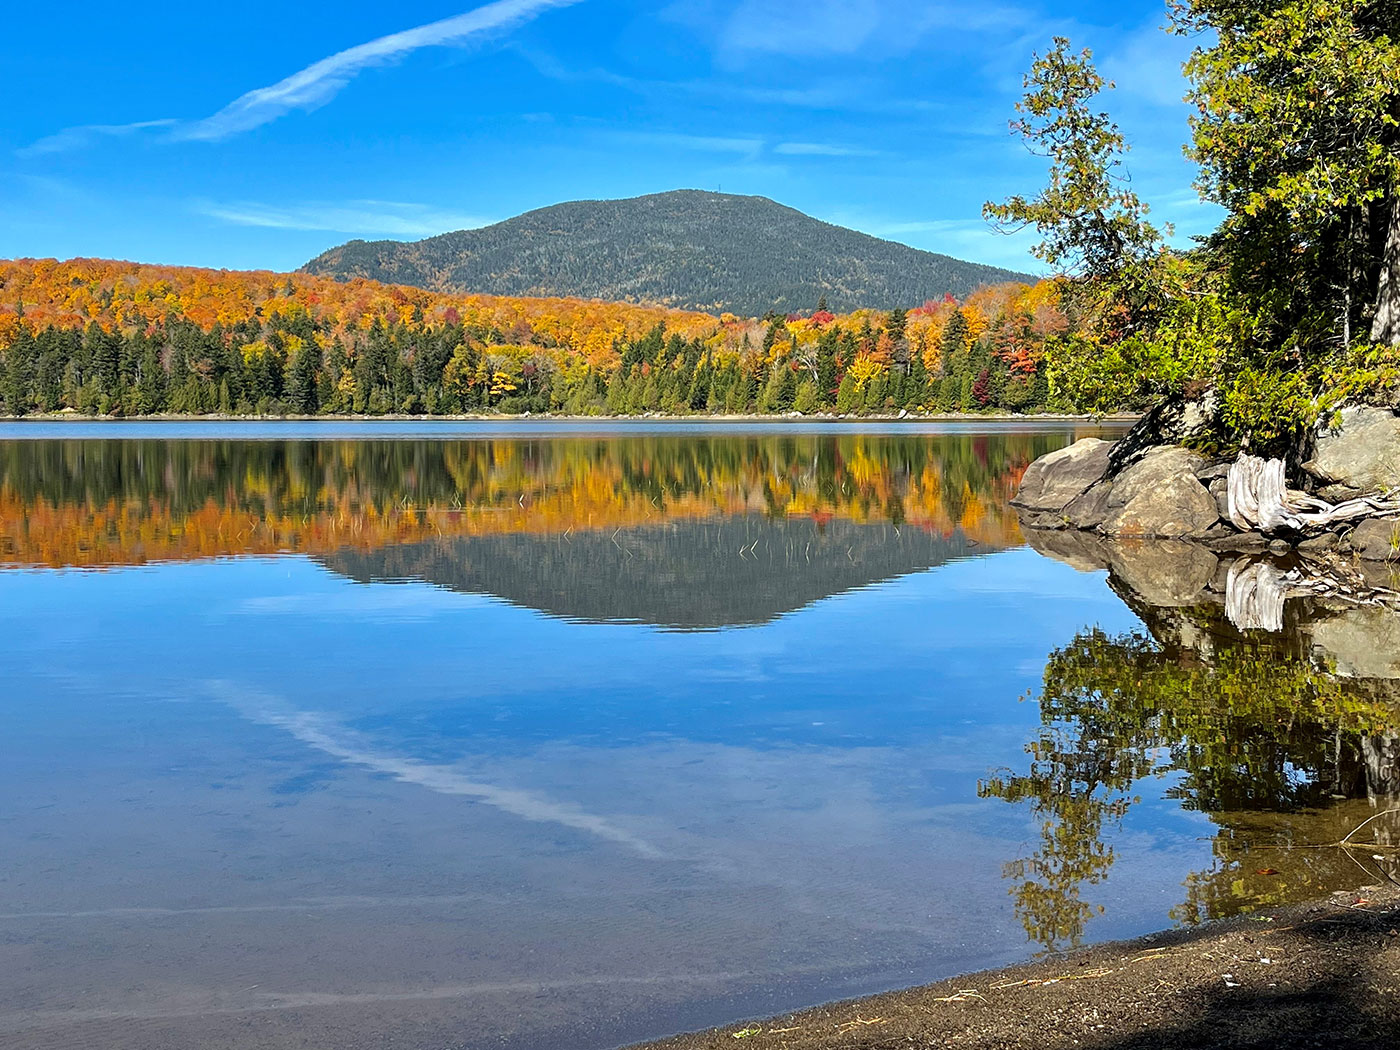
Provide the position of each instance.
(1256, 589)
(1259, 499)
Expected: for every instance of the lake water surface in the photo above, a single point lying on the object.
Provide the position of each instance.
(566, 736)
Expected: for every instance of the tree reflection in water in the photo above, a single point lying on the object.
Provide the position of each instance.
(103, 502)
(1273, 735)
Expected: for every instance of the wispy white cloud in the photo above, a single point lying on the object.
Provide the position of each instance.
(822, 149)
(320, 81)
(391, 218)
(840, 27)
(315, 85)
(403, 604)
(75, 138)
(809, 26)
(971, 239)
(850, 94)
(702, 143)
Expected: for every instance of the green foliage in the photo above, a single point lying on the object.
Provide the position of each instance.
(1269, 409)
(807, 399)
(1297, 133)
(1181, 354)
(1091, 222)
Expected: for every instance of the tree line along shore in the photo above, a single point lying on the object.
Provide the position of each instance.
(119, 339)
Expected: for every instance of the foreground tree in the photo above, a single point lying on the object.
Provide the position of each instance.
(1292, 307)
(1297, 131)
(1093, 226)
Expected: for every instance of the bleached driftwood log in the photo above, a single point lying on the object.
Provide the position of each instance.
(1257, 588)
(1260, 499)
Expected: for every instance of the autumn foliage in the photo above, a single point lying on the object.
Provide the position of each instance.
(102, 337)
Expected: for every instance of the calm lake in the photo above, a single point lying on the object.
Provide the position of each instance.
(528, 735)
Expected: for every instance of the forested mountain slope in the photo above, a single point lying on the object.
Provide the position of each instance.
(689, 248)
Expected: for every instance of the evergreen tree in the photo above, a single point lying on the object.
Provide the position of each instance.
(151, 384)
(303, 395)
(19, 365)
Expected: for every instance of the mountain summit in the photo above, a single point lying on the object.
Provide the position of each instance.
(687, 248)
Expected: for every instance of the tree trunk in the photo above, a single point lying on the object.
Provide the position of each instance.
(1385, 328)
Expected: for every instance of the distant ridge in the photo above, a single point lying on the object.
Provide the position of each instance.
(688, 248)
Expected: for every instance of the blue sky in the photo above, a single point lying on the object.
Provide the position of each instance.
(208, 137)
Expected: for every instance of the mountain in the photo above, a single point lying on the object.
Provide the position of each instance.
(688, 248)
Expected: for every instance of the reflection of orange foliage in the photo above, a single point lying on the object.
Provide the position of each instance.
(502, 487)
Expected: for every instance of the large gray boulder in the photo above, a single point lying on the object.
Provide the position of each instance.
(1376, 539)
(1160, 496)
(1361, 455)
(1089, 509)
(1055, 479)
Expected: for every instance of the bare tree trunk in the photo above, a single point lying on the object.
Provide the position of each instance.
(1385, 328)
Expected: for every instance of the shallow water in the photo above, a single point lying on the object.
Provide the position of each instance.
(499, 735)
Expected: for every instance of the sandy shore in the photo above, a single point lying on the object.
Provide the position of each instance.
(1325, 974)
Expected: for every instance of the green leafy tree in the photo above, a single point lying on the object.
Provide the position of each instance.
(1297, 131)
(1091, 223)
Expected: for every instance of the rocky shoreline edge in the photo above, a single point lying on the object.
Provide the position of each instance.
(1336, 535)
(1320, 974)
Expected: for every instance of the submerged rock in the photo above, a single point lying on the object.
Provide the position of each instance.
(1164, 573)
(1362, 642)
(1361, 455)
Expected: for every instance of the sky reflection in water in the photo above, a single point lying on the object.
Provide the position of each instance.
(739, 763)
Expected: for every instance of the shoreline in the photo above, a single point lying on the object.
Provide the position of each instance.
(1117, 418)
(1321, 973)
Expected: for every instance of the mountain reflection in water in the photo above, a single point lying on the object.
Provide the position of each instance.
(704, 575)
